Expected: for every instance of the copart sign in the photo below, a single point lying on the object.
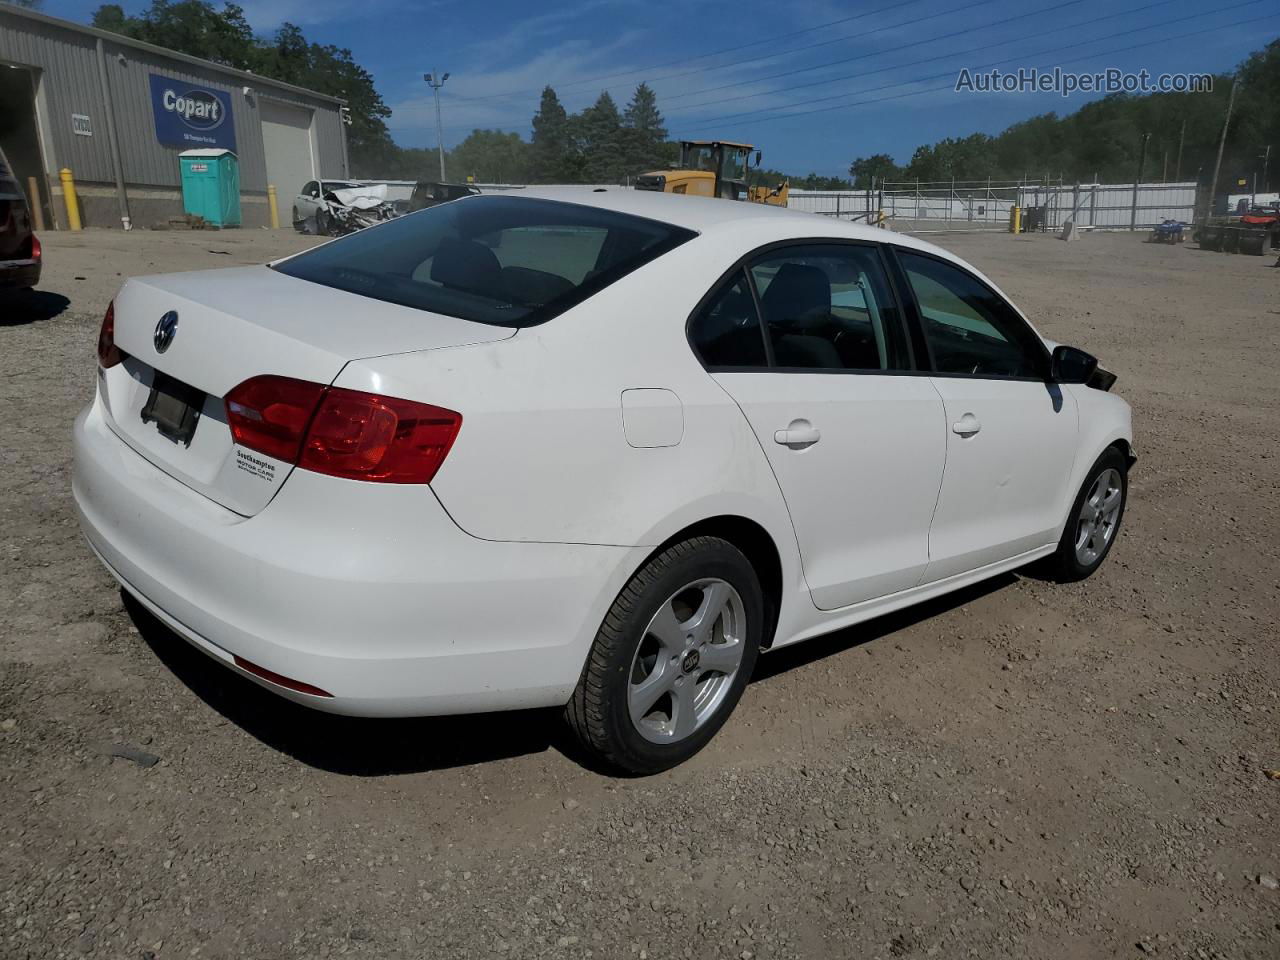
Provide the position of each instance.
(191, 116)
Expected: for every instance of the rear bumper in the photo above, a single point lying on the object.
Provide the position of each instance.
(373, 595)
(19, 274)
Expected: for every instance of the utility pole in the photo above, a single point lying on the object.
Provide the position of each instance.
(1222, 142)
(1142, 159)
(1266, 163)
(1177, 167)
(435, 81)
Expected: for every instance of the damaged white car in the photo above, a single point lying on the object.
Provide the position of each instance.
(332, 208)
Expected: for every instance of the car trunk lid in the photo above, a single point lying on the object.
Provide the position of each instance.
(222, 328)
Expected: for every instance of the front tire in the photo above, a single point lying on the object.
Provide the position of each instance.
(671, 659)
(1094, 521)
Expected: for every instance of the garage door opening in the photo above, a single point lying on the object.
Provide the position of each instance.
(286, 137)
(18, 134)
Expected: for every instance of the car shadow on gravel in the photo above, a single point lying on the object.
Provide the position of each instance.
(30, 306)
(801, 654)
(352, 746)
(364, 747)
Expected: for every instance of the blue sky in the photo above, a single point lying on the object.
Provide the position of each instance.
(814, 84)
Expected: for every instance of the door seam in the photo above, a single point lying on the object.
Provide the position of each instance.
(942, 479)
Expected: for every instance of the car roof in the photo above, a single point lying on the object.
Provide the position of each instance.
(715, 218)
(706, 215)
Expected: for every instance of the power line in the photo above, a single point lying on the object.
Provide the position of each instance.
(947, 56)
(755, 117)
(906, 46)
(736, 63)
(943, 13)
(951, 86)
(701, 56)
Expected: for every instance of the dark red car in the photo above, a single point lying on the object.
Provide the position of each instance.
(19, 247)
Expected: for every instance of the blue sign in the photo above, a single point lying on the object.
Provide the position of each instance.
(191, 116)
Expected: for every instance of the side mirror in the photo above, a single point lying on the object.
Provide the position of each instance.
(1071, 365)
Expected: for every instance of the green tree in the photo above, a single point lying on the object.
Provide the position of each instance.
(1259, 102)
(195, 27)
(491, 156)
(644, 134)
(816, 181)
(552, 155)
(597, 131)
(879, 166)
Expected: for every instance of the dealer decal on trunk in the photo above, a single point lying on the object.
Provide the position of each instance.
(257, 467)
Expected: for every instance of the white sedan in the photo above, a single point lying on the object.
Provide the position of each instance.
(590, 450)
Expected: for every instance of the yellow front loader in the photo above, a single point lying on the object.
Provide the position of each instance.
(714, 168)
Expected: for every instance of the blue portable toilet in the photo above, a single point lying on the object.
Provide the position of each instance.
(211, 186)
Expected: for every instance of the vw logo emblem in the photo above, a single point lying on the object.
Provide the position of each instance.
(165, 329)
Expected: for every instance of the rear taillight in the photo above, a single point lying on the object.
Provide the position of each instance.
(35, 247)
(108, 354)
(342, 433)
(270, 414)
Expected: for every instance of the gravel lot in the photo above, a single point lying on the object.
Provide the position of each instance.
(1022, 770)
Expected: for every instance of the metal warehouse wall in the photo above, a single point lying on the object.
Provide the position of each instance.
(69, 84)
(329, 135)
(66, 60)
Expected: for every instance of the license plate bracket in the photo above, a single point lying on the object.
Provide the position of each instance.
(174, 407)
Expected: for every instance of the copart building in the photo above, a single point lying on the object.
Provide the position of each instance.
(117, 113)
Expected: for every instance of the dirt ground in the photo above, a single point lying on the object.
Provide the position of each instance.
(1022, 770)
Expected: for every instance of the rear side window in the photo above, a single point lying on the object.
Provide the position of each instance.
(506, 261)
(726, 331)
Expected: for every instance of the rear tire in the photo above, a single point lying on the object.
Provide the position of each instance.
(671, 659)
(1094, 522)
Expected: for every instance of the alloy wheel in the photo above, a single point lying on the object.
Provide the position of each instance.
(1099, 516)
(686, 660)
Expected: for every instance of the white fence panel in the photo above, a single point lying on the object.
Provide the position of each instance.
(1110, 205)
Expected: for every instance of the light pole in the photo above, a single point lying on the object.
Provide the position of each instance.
(435, 85)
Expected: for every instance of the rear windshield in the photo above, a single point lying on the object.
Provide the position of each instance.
(506, 261)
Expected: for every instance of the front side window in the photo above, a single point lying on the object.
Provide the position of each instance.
(726, 331)
(829, 306)
(310, 189)
(507, 261)
(971, 329)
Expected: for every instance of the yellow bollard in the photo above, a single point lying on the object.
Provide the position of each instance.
(69, 196)
(37, 209)
(1015, 219)
(271, 206)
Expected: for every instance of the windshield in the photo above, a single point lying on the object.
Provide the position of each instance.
(700, 158)
(506, 261)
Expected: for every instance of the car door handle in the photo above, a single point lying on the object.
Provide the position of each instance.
(967, 425)
(798, 435)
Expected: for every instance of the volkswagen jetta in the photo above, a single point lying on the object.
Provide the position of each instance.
(595, 450)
